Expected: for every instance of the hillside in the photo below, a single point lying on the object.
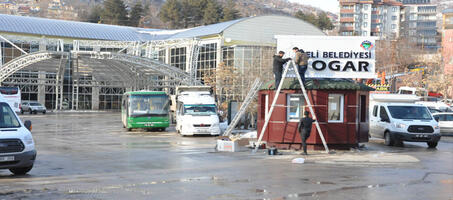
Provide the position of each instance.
(78, 10)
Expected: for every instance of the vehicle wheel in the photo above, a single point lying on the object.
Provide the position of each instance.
(432, 144)
(128, 129)
(388, 139)
(20, 171)
(35, 112)
(43, 112)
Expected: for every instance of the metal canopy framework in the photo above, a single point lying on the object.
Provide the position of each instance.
(100, 66)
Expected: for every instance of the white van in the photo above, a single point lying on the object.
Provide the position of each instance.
(414, 91)
(398, 122)
(196, 112)
(17, 148)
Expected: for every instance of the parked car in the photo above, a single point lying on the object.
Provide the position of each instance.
(17, 148)
(445, 122)
(449, 102)
(434, 110)
(398, 122)
(437, 105)
(32, 107)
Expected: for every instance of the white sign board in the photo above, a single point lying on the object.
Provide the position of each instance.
(333, 56)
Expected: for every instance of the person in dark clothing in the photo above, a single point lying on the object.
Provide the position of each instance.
(278, 67)
(301, 60)
(305, 130)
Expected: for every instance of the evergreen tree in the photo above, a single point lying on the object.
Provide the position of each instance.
(324, 22)
(171, 13)
(229, 12)
(95, 14)
(212, 13)
(114, 12)
(136, 15)
(190, 13)
(310, 18)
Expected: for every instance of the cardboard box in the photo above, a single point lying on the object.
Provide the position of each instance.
(231, 146)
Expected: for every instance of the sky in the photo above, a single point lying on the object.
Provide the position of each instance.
(327, 5)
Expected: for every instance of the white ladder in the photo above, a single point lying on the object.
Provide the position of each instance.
(268, 117)
(248, 99)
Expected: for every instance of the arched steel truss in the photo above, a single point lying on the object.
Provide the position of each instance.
(138, 54)
(133, 60)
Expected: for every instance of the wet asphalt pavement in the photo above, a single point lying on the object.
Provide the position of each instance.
(90, 156)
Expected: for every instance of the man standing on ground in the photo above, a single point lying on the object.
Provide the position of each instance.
(301, 60)
(305, 130)
(278, 67)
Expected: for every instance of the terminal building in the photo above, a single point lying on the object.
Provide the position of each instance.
(86, 66)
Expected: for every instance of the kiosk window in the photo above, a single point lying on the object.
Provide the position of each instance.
(295, 107)
(336, 105)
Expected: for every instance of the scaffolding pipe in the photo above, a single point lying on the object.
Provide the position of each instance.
(12, 44)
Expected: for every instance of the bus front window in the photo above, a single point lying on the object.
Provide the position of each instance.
(148, 105)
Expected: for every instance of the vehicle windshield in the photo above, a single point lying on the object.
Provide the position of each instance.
(7, 117)
(35, 104)
(148, 105)
(433, 110)
(410, 112)
(406, 92)
(207, 109)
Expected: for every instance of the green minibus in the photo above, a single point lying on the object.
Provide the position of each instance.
(145, 109)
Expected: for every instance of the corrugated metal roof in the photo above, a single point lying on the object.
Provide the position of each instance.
(206, 30)
(318, 84)
(72, 29)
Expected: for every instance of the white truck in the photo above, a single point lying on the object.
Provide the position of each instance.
(196, 111)
(396, 118)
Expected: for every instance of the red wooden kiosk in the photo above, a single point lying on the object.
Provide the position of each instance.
(341, 108)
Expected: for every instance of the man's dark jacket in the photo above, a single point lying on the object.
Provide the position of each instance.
(305, 124)
(278, 63)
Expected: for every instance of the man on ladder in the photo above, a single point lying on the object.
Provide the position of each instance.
(301, 60)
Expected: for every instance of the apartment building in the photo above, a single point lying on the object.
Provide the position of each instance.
(447, 40)
(370, 18)
(419, 23)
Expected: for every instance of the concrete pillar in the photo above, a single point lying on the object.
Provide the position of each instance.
(95, 98)
(42, 87)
